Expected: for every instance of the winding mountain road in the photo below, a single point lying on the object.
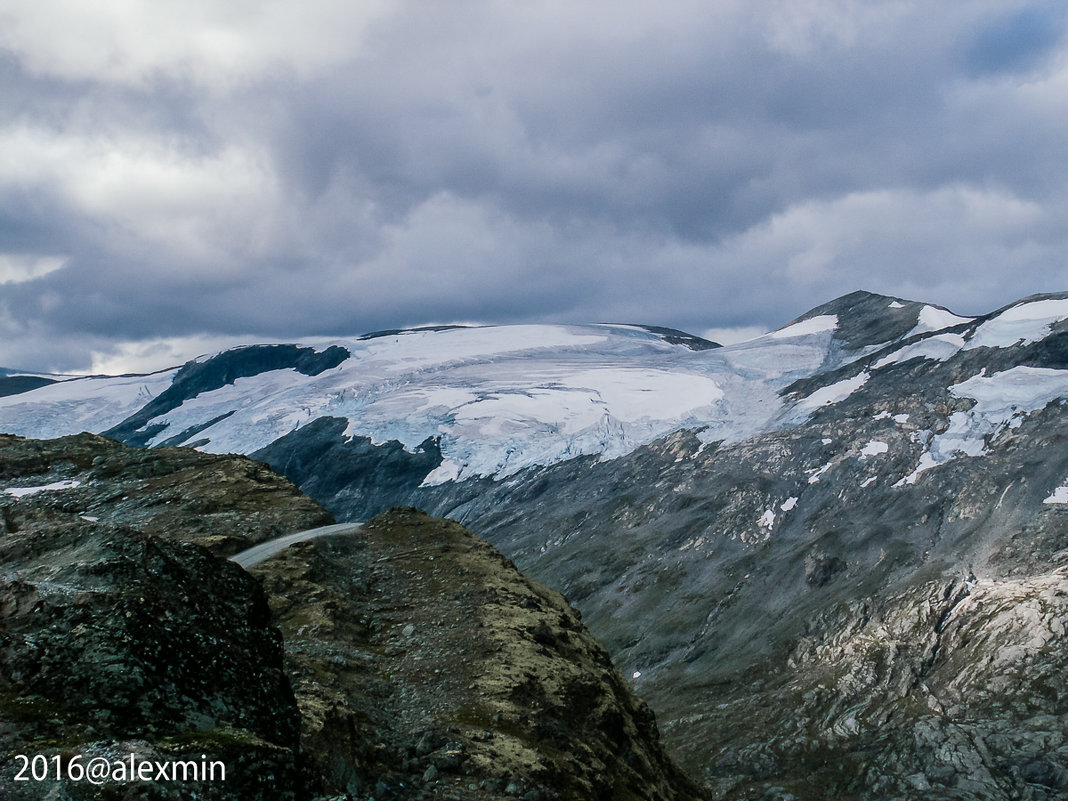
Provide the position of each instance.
(257, 553)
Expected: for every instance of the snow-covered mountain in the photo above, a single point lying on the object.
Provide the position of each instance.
(843, 543)
(497, 400)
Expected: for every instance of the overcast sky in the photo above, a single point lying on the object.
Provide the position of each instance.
(181, 175)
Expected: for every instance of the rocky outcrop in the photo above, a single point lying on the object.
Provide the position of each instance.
(427, 666)
(360, 476)
(116, 641)
(409, 661)
(223, 503)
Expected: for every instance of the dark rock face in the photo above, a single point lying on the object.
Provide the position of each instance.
(218, 371)
(360, 477)
(423, 661)
(114, 641)
(15, 384)
(865, 318)
(677, 337)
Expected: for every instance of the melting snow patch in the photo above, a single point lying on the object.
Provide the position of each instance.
(926, 463)
(20, 492)
(936, 348)
(767, 520)
(789, 503)
(867, 482)
(815, 477)
(826, 440)
(89, 518)
(1060, 495)
(874, 448)
(834, 393)
(931, 318)
(901, 418)
(813, 325)
(881, 415)
(1020, 325)
(636, 675)
(1002, 401)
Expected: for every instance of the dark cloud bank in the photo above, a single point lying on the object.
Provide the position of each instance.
(275, 170)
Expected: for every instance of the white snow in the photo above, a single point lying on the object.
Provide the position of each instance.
(833, 393)
(813, 325)
(927, 461)
(1060, 495)
(80, 404)
(868, 481)
(767, 520)
(826, 440)
(789, 503)
(815, 477)
(901, 418)
(932, 318)
(1020, 325)
(498, 398)
(1002, 400)
(874, 448)
(937, 348)
(883, 415)
(89, 518)
(21, 492)
(896, 305)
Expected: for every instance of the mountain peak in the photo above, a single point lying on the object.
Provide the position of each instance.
(867, 318)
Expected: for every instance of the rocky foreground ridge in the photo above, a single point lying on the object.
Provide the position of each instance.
(408, 661)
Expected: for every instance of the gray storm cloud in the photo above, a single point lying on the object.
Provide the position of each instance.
(178, 176)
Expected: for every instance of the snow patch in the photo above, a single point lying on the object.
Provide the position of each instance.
(932, 318)
(896, 305)
(21, 492)
(815, 477)
(80, 404)
(867, 482)
(936, 348)
(1060, 495)
(833, 393)
(927, 461)
(1002, 401)
(767, 520)
(1020, 325)
(789, 503)
(901, 418)
(813, 325)
(874, 448)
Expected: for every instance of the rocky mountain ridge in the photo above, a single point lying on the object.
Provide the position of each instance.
(410, 661)
(852, 590)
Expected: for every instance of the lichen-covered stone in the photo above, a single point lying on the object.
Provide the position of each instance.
(422, 658)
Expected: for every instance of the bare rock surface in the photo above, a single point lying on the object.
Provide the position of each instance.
(427, 666)
(407, 660)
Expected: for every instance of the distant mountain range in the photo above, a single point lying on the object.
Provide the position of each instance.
(834, 558)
